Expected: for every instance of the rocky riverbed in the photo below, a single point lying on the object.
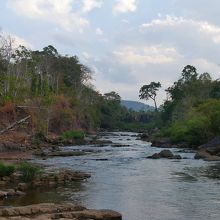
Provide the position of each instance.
(122, 179)
(49, 211)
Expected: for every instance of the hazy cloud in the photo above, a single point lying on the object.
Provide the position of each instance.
(99, 31)
(123, 6)
(143, 55)
(89, 5)
(53, 11)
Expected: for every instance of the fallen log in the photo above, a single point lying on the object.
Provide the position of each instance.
(14, 124)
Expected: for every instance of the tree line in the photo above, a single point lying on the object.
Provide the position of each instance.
(56, 91)
(192, 111)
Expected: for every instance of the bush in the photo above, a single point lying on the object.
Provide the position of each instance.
(201, 124)
(6, 170)
(29, 171)
(192, 131)
(77, 134)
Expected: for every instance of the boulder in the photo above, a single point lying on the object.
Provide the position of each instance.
(203, 154)
(165, 154)
(155, 156)
(212, 147)
(144, 137)
(162, 143)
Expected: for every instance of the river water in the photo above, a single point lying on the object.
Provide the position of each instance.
(139, 188)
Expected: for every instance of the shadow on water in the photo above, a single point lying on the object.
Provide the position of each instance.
(208, 171)
(181, 176)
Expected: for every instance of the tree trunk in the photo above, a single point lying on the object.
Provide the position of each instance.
(155, 105)
(14, 124)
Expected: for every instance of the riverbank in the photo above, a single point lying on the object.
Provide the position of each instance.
(16, 182)
(209, 151)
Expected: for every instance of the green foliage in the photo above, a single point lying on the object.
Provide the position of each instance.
(150, 92)
(202, 123)
(6, 170)
(29, 171)
(71, 135)
(192, 112)
(192, 131)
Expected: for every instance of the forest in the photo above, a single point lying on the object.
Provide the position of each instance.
(55, 91)
(191, 113)
(56, 94)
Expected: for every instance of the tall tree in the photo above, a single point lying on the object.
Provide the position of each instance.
(150, 92)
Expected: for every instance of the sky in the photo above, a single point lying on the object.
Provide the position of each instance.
(126, 43)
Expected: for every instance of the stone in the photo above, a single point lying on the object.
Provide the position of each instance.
(23, 186)
(154, 156)
(3, 194)
(2, 183)
(165, 154)
(50, 211)
(177, 157)
(203, 154)
(11, 192)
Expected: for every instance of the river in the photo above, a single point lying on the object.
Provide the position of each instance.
(139, 188)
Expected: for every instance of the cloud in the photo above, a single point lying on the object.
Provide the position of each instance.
(99, 31)
(158, 50)
(58, 12)
(89, 5)
(123, 6)
(125, 21)
(147, 55)
(200, 26)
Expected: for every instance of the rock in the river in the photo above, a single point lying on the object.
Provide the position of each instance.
(49, 211)
(203, 154)
(212, 147)
(10, 192)
(167, 143)
(209, 151)
(165, 154)
(144, 137)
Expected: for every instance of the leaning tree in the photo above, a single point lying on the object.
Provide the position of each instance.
(150, 92)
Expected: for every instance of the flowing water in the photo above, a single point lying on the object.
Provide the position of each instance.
(139, 188)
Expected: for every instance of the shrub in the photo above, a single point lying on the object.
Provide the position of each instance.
(193, 131)
(201, 124)
(6, 170)
(75, 134)
(29, 171)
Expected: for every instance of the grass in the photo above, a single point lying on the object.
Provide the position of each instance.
(74, 134)
(6, 169)
(29, 171)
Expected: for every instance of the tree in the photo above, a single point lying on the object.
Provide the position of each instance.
(113, 96)
(189, 73)
(150, 92)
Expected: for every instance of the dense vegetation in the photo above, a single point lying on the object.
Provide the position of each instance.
(55, 90)
(192, 112)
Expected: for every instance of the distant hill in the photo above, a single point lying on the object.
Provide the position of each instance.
(136, 106)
